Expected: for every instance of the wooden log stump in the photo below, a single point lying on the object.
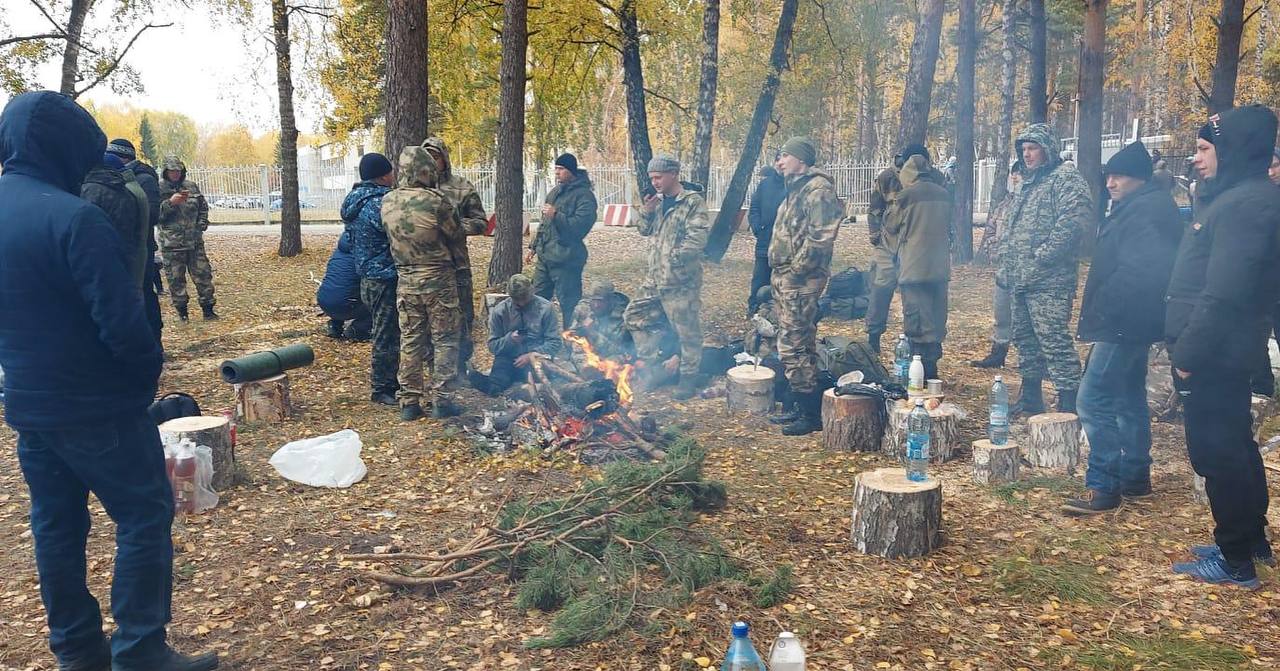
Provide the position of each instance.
(1053, 441)
(944, 433)
(994, 464)
(263, 400)
(896, 517)
(750, 389)
(214, 432)
(851, 423)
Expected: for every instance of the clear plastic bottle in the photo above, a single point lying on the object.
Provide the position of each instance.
(902, 360)
(742, 655)
(998, 422)
(918, 425)
(786, 654)
(916, 374)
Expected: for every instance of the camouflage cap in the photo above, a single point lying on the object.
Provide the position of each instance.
(601, 289)
(172, 163)
(520, 287)
(664, 163)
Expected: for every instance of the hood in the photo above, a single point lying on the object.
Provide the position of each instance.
(437, 144)
(799, 181)
(355, 200)
(1246, 138)
(112, 179)
(1043, 135)
(47, 136)
(581, 180)
(692, 186)
(344, 242)
(916, 169)
(417, 168)
(172, 163)
(768, 172)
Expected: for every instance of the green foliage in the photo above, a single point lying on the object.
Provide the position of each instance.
(1015, 492)
(1166, 651)
(1037, 580)
(771, 591)
(147, 140)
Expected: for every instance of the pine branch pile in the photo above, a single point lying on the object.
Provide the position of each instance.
(607, 557)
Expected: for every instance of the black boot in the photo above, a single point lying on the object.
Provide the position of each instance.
(182, 312)
(873, 341)
(445, 407)
(411, 412)
(1030, 399)
(175, 661)
(789, 410)
(1067, 400)
(929, 357)
(995, 359)
(810, 419)
(209, 314)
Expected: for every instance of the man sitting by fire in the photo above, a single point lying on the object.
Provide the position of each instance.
(522, 326)
(597, 319)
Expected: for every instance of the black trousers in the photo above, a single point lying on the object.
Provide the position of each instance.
(1222, 450)
(761, 274)
(1264, 381)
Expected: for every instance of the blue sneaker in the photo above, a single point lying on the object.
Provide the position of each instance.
(1262, 554)
(1218, 571)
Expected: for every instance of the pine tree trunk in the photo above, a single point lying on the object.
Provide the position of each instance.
(290, 209)
(509, 199)
(1225, 69)
(1137, 85)
(913, 124)
(707, 92)
(736, 193)
(71, 52)
(1008, 82)
(1037, 79)
(869, 106)
(633, 80)
(406, 90)
(1092, 71)
(963, 205)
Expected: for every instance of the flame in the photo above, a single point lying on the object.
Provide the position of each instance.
(620, 373)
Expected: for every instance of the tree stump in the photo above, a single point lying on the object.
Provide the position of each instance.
(944, 432)
(851, 423)
(1053, 441)
(263, 400)
(896, 517)
(214, 432)
(994, 464)
(750, 389)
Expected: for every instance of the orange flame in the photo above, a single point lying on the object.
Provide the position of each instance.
(620, 373)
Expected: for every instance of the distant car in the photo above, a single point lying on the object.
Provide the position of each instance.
(304, 204)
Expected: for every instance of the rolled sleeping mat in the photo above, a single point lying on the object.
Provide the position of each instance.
(262, 365)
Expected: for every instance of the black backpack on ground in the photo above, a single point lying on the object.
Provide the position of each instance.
(845, 297)
(172, 406)
(838, 355)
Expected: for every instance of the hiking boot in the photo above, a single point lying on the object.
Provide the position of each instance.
(383, 398)
(97, 660)
(1067, 401)
(182, 312)
(687, 389)
(444, 407)
(1093, 503)
(1261, 554)
(1030, 399)
(334, 331)
(209, 314)
(1139, 491)
(411, 412)
(995, 359)
(174, 661)
(1218, 570)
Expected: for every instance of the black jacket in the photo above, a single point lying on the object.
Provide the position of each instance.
(1227, 276)
(766, 200)
(150, 183)
(1132, 260)
(75, 344)
(105, 188)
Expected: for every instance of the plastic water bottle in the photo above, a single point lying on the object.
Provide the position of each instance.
(786, 655)
(742, 655)
(998, 424)
(916, 374)
(918, 425)
(902, 360)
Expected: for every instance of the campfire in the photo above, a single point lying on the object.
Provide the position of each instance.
(586, 411)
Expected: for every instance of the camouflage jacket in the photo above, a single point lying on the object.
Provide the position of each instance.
(1038, 247)
(181, 227)
(884, 188)
(460, 191)
(560, 238)
(537, 323)
(607, 333)
(420, 223)
(804, 235)
(677, 239)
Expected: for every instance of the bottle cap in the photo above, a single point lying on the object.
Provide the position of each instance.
(740, 629)
(999, 378)
(787, 635)
(919, 402)
(915, 357)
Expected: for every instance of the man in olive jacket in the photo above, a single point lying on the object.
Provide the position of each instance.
(917, 227)
(568, 215)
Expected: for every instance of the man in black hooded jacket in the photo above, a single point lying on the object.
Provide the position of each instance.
(1225, 282)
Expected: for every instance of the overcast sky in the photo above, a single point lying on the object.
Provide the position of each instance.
(200, 67)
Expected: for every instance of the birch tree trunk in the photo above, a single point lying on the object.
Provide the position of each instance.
(71, 52)
(633, 80)
(1092, 70)
(1037, 78)
(707, 92)
(1008, 82)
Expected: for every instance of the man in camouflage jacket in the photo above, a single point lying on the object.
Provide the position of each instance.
(804, 237)
(676, 223)
(599, 319)
(884, 267)
(184, 217)
(474, 221)
(1038, 262)
(422, 227)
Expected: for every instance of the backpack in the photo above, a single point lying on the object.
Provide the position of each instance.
(845, 297)
(172, 406)
(839, 355)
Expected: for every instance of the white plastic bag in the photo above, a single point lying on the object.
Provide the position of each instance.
(192, 493)
(324, 461)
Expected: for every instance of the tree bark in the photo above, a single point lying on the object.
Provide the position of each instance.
(71, 52)
(1230, 27)
(965, 66)
(406, 89)
(722, 229)
(1092, 71)
(1037, 79)
(707, 92)
(913, 124)
(633, 80)
(290, 209)
(869, 106)
(509, 198)
(1008, 82)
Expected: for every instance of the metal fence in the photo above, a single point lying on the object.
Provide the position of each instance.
(252, 193)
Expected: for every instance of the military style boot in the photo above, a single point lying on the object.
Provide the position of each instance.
(688, 388)
(182, 312)
(445, 407)
(1030, 399)
(810, 419)
(999, 351)
(1067, 400)
(411, 413)
(176, 661)
(209, 314)
(789, 412)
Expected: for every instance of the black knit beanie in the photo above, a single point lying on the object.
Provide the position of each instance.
(1132, 161)
(373, 166)
(568, 162)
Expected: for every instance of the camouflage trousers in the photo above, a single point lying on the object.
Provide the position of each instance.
(380, 297)
(884, 280)
(1041, 334)
(177, 263)
(797, 305)
(682, 309)
(427, 318)
(467, 302)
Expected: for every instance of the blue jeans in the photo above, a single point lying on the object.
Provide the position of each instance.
(1112, 406)
(122, 462)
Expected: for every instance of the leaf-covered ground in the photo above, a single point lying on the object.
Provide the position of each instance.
(260, 579)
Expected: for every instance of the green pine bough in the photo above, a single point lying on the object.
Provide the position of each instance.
(611, 556)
